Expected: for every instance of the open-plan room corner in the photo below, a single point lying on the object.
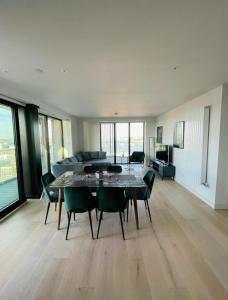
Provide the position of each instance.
(113, 150)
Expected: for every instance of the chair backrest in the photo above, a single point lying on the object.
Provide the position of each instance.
(47, 178)
(111, 199)
(114, 169)
(91, 169)
(137, 156)
(78, 198)
(149, 180)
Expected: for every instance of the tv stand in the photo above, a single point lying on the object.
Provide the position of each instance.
(163, 169)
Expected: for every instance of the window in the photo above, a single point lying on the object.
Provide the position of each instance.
(67, 139)
(122, 143)
(10, 184)
(136, 137)
(107, 140)
(120, 139)
(55, 139)
(43, 144)
(51, 141)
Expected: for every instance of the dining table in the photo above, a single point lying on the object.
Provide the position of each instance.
(131, 179)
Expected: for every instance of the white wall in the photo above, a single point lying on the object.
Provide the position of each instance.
(222, 177)
(77, 134)
(188, 160)
(91, 132)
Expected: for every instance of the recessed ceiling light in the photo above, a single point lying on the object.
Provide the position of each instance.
(175, 68)
(38, 70)
(116, 113)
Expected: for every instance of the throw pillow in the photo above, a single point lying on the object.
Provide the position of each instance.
(94, 154)
(79, 157)
(86, 156)
(102, 155)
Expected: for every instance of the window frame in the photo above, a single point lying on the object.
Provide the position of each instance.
(47, 137)
(129, 137)
(16, 130)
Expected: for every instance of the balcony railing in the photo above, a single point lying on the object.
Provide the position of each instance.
(8, 192)
(7, 164)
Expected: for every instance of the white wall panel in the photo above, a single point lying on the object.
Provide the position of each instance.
(188, 160)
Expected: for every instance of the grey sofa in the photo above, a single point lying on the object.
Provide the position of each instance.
(79, 161)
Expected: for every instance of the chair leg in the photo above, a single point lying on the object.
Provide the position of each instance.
(131, 201)
(127, 211)
(145, 202)
(48, 206)
(124, 216)
(99, 224)
(96, 214)
(91, 224)
(42, 195)
(68, 225)
(121, 221)
(55, 206)
(148, 210)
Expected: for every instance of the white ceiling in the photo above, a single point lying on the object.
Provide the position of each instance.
(118, 55)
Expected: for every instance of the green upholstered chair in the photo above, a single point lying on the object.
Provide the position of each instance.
(137, 157)
(79, 200)
(144, 193)
(50, 196)
(111, 200)
(114, 169)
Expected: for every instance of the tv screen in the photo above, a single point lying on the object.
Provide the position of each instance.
(164, 153)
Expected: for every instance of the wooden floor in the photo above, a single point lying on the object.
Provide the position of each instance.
(182, 255)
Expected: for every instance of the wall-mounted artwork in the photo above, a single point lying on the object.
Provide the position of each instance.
(159, 134)
(178, 138)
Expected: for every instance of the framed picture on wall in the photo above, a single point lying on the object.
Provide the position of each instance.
(178, 137)
(159, 134)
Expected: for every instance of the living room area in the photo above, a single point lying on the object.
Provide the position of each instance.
(113, 150)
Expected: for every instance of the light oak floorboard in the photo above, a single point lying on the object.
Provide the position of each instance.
(182, 255)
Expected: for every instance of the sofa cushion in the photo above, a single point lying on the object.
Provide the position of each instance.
(59, 169)
(66, 161)
(100, 162)
(79, 157)
(94, 154)
(73, 159)
(86, 156)
(102, 155)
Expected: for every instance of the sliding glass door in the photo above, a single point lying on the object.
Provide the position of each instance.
(51, 141)
(9, 192)
(43, 143)
(136, 136)
(122, 143)
(120, 139)
(107, 140)
(55, 138)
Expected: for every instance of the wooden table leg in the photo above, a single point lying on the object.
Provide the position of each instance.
(59, 208)
(136, 211)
